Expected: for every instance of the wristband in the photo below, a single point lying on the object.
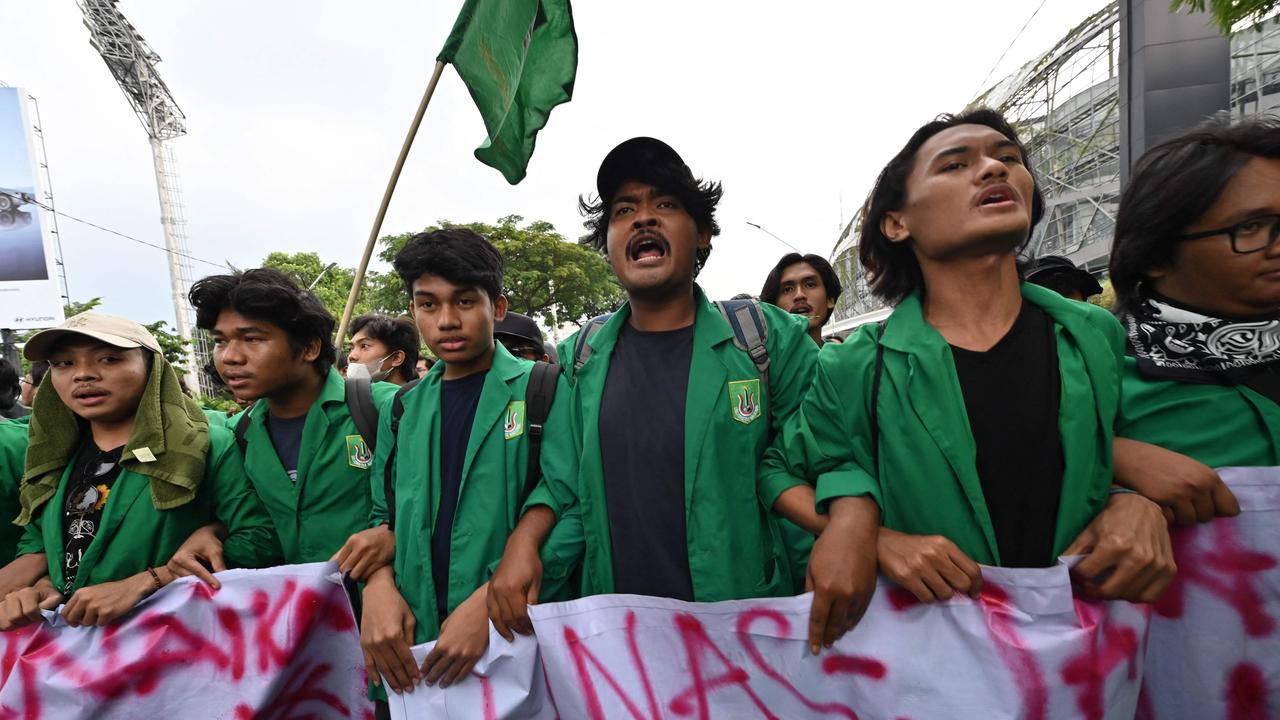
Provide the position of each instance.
(1117, 490)
(155, 577)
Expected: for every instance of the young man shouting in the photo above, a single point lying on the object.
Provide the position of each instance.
(458, 468)
(977, 420)
(804, 285)
(121, 469)
(669, 416)
(272, 344)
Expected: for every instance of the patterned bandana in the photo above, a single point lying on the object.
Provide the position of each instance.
(1181, 344)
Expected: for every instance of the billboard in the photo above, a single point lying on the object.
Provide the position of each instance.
(29, 295)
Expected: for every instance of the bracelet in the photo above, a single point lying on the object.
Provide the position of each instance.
(155, 577)
(1117, 490)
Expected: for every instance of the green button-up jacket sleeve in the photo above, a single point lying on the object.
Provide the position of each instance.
(561, 445)
(251, 538)
(828, 442)
(793, 357)
(381, 456)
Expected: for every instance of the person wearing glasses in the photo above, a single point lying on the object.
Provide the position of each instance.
(1196, 271)
(520, 335)
(31, 383)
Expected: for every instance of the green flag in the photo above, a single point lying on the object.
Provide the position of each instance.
(518, 59)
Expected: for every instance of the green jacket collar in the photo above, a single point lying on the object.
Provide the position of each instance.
(933, 390)
(314, 430)
(422, 402)
(907, 331)
(505, 367)
(709, 326)
(334, 389)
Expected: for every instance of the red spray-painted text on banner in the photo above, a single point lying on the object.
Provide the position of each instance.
(276, 643)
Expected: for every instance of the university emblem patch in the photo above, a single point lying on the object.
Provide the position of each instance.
(513, 420)
(358, 453)
(744, 400)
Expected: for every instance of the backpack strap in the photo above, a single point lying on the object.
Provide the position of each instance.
(241, 429)
(582, 350)
(875, 396)
(359, 396)
(539, 395)
(750, 335)
(388, 472)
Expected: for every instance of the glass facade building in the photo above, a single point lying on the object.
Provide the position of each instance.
(1066, 106)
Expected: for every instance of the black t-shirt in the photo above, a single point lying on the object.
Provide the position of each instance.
(286, 436)
(458, 401)
(90, 483)
(1012, 394)
(642, 451)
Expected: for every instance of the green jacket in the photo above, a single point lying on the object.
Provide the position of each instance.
(1218, 425)
(330, 500)
(134, 535)
(736, 544)
(493, 479)
(13, 458)
(926, 481)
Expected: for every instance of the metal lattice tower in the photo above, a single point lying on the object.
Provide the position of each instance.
(1065, 104)
(132, 63)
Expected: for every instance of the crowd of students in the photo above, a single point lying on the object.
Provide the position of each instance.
(685, 448)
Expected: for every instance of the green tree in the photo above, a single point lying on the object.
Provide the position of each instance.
(174, 348)
(331, 285)
(545, 276)
(1228, 13)
(75, 308)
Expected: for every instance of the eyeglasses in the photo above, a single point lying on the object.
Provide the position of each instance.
(1252, 235)
(528, 352)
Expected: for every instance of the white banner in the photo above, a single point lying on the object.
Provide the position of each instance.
(276, 643)
(1026, 649)
(282, 643)
(1214, 649)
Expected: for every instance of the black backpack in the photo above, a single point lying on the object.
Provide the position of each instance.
(538, 395)
(359, 397)
(750, 335)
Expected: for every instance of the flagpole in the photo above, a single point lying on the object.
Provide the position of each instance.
(386, 200)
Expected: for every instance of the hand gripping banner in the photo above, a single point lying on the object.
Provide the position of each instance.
(276, 643)
(1214, 647)
(1026, 648)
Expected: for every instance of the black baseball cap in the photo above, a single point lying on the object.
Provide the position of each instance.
(518, 326)
(1048, 266)
(640, 158)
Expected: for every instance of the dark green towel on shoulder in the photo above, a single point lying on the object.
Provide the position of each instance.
(170, 428)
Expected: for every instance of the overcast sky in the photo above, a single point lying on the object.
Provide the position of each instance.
(296, 110)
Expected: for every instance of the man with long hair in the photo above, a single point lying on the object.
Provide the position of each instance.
(914, 419)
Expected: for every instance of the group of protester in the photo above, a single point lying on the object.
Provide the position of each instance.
(685, 448)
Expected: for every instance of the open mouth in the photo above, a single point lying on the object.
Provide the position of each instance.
(801, 309)
(89, 396)
(647, 246)
(996, 195)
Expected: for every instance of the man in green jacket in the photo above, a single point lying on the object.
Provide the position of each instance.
(460, 475)
(272, 343)
(121, 468)
(1196, 268)
(669, 417)
(978, 419)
